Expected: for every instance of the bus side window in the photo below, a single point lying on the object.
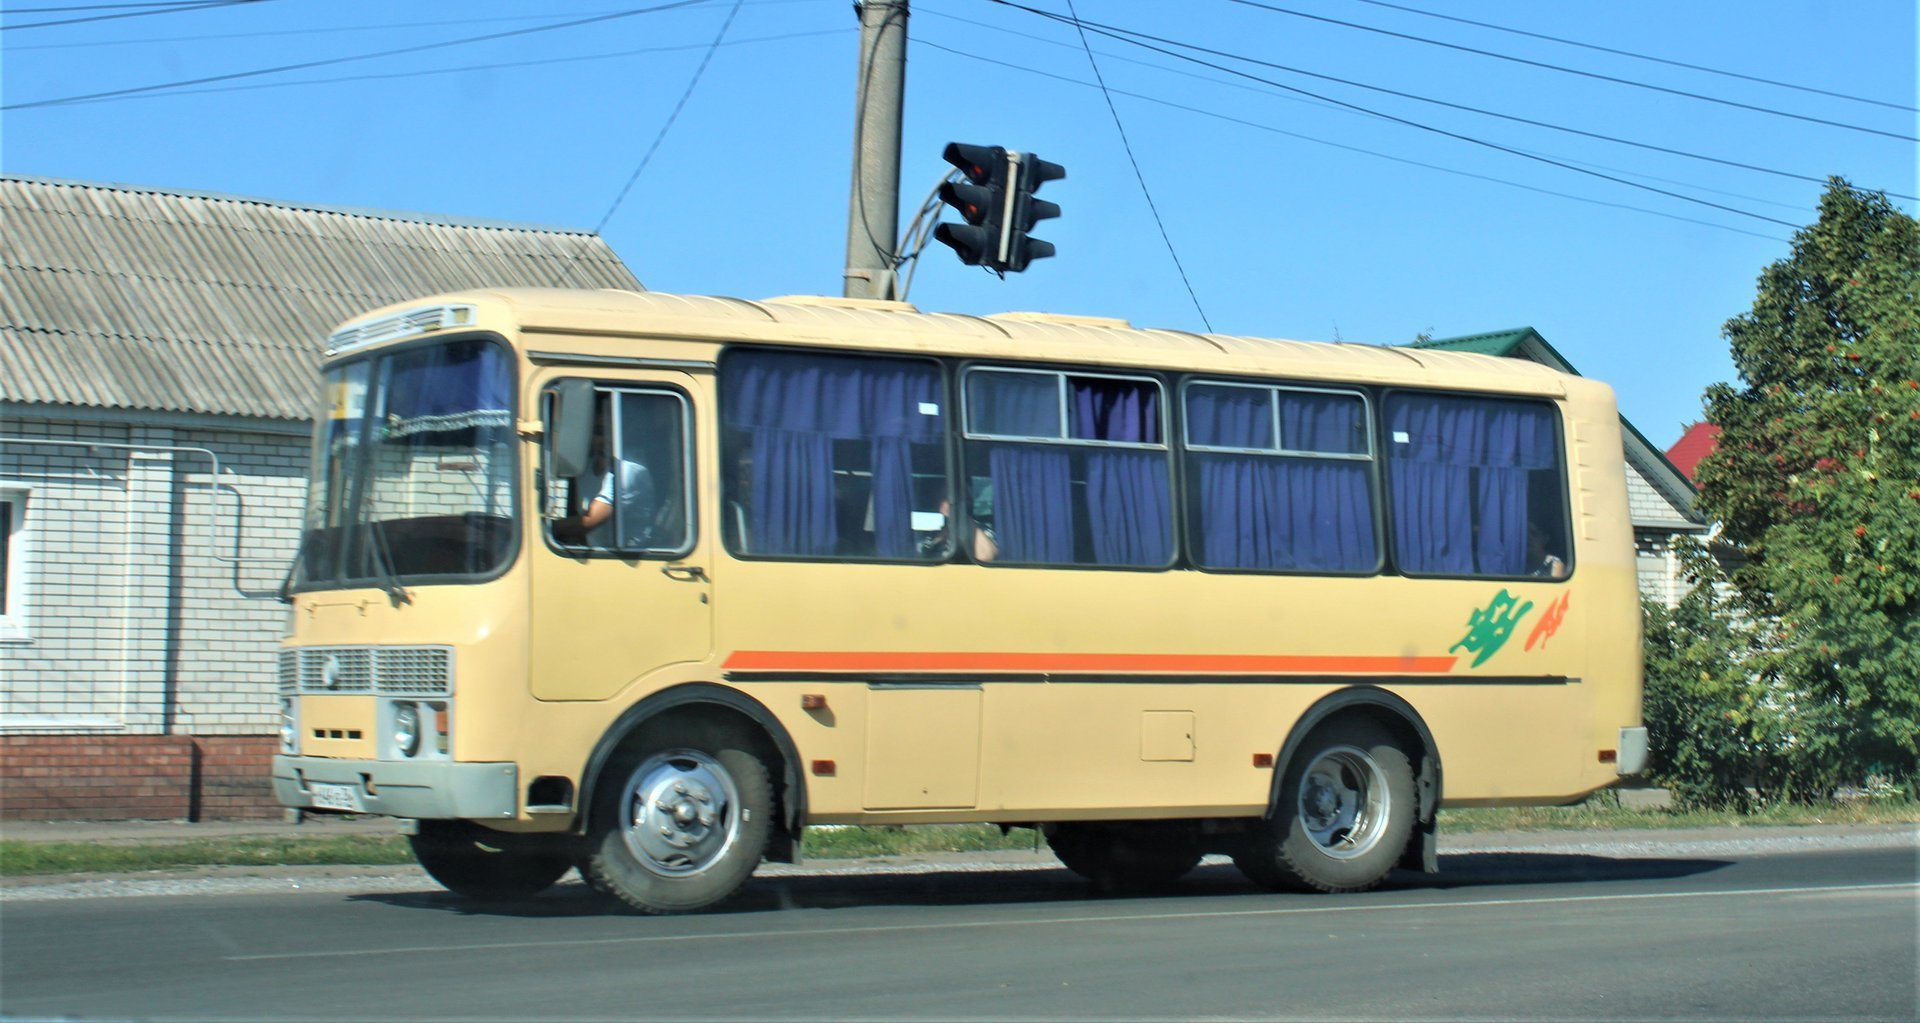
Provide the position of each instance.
(1280, 479)
(826, 454)
(1477, 486)
(1077, 466)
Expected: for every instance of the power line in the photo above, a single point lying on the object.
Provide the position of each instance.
(1124, 35)
(1357, 149)
(429, 72)
(323, 29)
(184, 8)
(672, 117)
(304, 65)
(1640, 56)
(102, 7)
(1215, 80)
(1116, 34)
(1576, 71)
(1138, 175)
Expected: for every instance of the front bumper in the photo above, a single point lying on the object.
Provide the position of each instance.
(429, 791)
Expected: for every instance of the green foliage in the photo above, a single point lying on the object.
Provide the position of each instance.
(1817, 479)
(1714, 718)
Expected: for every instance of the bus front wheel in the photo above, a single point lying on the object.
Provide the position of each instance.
(481, 863)
(1345, 813)
(679, 823)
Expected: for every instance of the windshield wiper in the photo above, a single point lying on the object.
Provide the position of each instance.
(389, 576)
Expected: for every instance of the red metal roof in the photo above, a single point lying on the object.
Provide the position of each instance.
(1697, 443)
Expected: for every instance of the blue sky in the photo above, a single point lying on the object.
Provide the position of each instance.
(1291, 216)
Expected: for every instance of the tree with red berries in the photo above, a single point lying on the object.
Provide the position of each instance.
(1817, 479)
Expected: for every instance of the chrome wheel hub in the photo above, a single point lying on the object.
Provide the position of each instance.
(1343, 802)
(682, 812)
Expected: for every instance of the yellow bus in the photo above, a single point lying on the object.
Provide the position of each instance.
(646, 584)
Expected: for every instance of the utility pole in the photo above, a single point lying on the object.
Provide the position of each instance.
(873, 214)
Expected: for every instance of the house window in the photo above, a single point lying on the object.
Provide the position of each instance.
(14, 559)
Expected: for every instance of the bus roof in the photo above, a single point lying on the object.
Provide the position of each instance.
(863, 324)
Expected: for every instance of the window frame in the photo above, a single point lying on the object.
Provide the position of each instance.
(727, 453)
(1563, 482)
(16, 560)
(1376, 474)
(689, 490)
(1160, 380)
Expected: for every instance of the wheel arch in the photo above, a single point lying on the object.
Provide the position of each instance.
(706, 700)
(1398, 716)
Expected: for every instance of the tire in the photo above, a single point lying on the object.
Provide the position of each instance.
(1122, 858)
(495, 866)
(1345, 814)
(678, 821)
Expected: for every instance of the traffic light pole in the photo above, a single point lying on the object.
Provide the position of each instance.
(873, 214)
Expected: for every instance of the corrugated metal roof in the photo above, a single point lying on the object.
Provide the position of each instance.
(136, 298)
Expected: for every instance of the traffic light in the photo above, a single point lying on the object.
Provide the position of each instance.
(996, 201)
(1032, 172)
(981, 200)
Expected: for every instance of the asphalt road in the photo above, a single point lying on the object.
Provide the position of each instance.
(1529, 935)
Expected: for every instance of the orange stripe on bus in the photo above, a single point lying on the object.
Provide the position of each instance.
(824, 660)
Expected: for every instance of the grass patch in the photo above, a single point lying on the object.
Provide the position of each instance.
(21, 859)
(1605, 815)
(859, 842)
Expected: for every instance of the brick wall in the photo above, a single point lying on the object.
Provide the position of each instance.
(150, 586)
(154, 777)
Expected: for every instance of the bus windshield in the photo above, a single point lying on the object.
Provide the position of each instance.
(413, 469)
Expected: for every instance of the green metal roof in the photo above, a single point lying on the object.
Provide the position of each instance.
(1499, 342)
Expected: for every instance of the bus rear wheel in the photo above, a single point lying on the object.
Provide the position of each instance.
(679, 824)
(1345, 813)
(481, 863)
(1124, 858)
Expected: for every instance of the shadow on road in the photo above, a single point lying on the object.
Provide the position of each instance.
(983, 887)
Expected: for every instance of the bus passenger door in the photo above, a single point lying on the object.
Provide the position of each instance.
(622, 589)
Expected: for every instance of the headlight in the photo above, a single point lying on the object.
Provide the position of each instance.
(289, 731)
(406, 728)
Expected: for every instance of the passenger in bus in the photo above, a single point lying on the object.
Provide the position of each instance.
(611, 481)
(985, 546)
(1543, 562)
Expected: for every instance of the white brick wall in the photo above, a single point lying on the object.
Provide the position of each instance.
(135, 622)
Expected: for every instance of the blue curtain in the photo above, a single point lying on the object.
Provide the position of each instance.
(1126, 411)
(1283, 514)
(793, 407)
(1129, 508)
(1280, 513)
(1230, 417)
(1327, 423)
(450, 387)
(1460, 478)
(1032, 502)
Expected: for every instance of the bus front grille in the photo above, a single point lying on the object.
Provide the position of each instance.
(384, 670)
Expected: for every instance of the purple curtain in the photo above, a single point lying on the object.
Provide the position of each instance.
(792, 407)
(1279, 513)
(1129, 508)
(1032, 502)
(1127, 411)
(1459, 468)
(450, 387)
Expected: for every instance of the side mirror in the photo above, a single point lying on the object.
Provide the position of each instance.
(572, 429)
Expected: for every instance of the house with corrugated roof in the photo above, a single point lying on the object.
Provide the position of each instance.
(1659, 496)
(159, 355)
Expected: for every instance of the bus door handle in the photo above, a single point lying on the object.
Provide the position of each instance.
(684, 573)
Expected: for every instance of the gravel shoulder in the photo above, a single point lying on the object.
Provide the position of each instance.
(1661, 844)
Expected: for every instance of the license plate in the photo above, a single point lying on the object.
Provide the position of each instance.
(335, 797)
